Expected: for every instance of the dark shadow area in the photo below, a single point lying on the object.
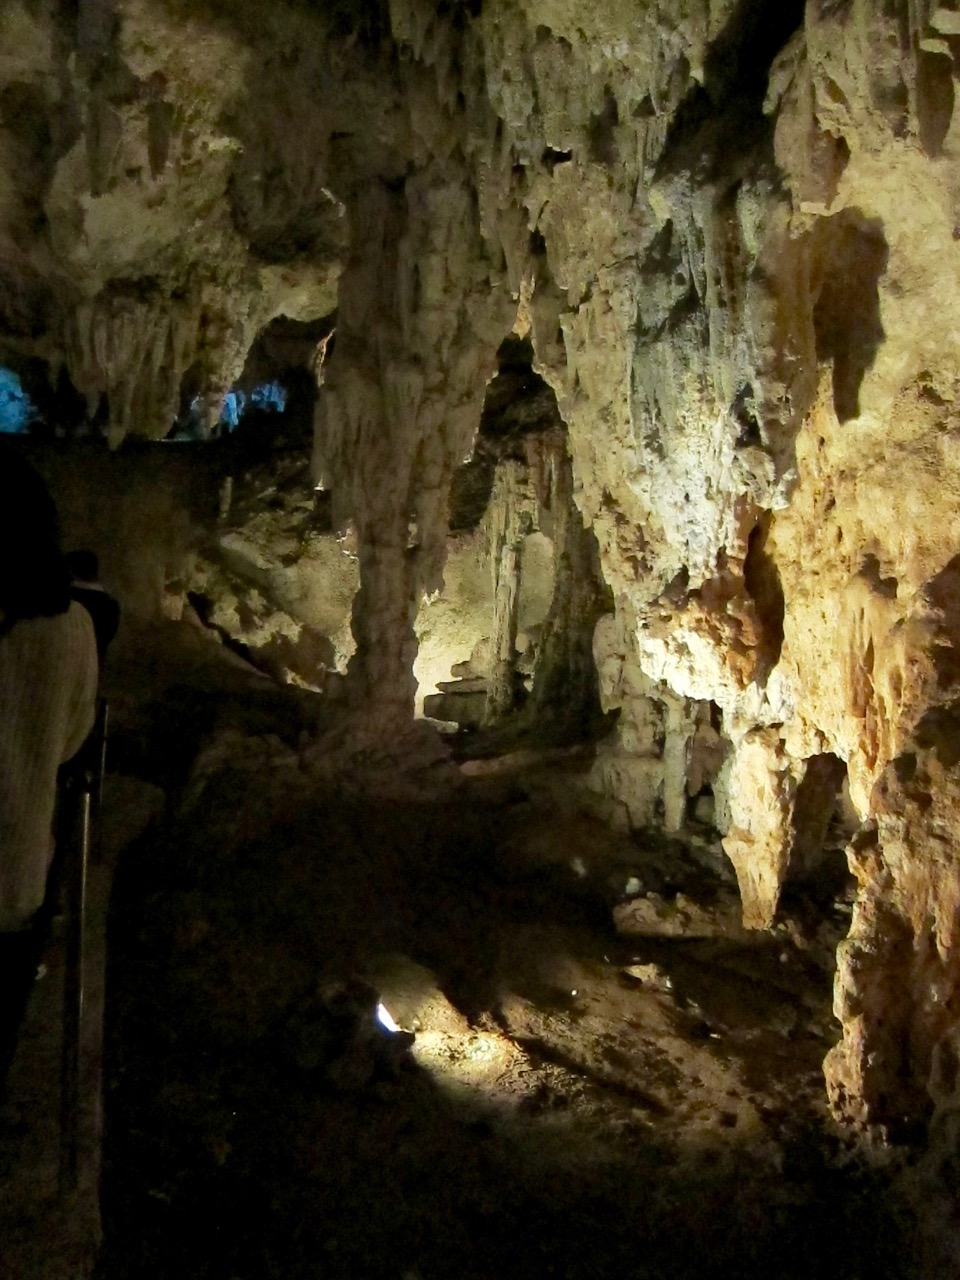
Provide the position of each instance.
(28, 301)
(943, 593)
(518, 403)
(365, 21)
(762, 581)
(722, 118)
(744, 412)
(935, 100)
(231, 1151)
(870, 570)
(938, 731)
(470, 491)
(281, 223)
(171, 688)
(551, 158)
(816, 860)
(601, 131)
(852, 255)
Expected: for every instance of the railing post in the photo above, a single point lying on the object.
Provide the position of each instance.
(76, 894)
(82, 835)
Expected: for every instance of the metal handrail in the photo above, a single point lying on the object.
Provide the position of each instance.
(83, 783)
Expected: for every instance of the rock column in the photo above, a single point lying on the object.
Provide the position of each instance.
(421, 314)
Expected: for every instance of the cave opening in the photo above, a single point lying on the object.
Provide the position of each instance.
(529, 668)
(819, 887)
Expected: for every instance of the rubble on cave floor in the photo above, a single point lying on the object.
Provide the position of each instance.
(571, 1102)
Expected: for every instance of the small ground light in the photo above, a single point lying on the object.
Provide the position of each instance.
(385, 1018)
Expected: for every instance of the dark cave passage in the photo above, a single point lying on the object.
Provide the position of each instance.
(555, 1113)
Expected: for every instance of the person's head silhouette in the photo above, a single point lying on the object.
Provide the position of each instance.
(34, 578)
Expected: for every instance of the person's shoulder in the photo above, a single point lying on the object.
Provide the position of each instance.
(44, 639)
(76, 625)
(77, 616)
(72, 622)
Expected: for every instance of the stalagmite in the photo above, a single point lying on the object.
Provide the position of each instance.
(762, 790)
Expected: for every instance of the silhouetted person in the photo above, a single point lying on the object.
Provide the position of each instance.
(48, 686)
(87, 590)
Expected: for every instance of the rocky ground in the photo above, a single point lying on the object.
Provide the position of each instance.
(572, 1102)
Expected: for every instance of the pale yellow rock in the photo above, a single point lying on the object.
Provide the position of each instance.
(761, 793)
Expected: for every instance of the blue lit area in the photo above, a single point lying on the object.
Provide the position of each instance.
(267, 397)
(17, 410)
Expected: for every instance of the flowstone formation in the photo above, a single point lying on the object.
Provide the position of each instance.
(728, 232)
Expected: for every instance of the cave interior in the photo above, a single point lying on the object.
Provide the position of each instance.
(520, 440)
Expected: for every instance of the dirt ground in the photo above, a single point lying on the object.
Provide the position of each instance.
(562, 1101)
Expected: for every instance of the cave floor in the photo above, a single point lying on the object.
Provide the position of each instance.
(554, 1114)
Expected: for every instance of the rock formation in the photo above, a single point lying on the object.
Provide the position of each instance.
(728, 233)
